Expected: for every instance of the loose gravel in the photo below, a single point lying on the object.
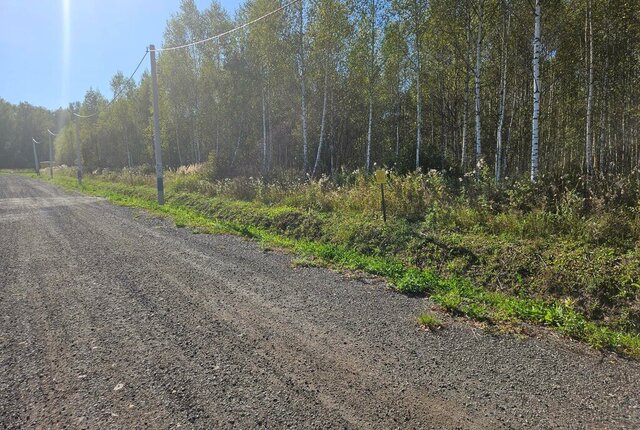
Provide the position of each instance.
(111, 318)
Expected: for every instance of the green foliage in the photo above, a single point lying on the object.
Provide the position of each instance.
(429, 321)
(474, 258)
(416, 282)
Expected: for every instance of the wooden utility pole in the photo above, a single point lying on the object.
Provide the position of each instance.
(35, 155)
(156, 126)
(50, 153)
(78, 152)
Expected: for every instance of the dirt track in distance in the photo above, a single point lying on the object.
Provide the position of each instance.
(110, 318)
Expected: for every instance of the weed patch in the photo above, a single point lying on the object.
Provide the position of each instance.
(429, 321)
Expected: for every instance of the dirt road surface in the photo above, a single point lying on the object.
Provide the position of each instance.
(110, 318)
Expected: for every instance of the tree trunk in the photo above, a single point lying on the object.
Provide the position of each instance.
(588, 149)
(369, 133)
(372, 74)
(270, 152)
(264, 130)
(217, 139)
(322, 121)
(196, 132)
(503, 97)
(465, 114)
(301, 58)
(235, 152)
(507, 145)
(398, 116)
(126, 142)
(418, 107)
(478, 148)
(535, 126)
(332, 138)
(178, 146)
(397, 140)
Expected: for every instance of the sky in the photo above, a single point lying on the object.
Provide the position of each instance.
(53, 51)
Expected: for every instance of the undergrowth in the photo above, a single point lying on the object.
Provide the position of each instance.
(488, 258)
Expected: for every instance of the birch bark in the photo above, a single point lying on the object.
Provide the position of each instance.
(535, 121)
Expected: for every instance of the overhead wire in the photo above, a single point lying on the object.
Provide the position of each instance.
(187, 45)
(233, 30)
(117, 94)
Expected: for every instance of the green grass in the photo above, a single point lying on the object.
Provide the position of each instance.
(429, 321)
(284, 227)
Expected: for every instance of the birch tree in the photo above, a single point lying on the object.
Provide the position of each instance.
(465, 112)
(329, 30)
(503, 89)
(303, 89)
(588, 147)
(373, 14)
(535, 126)
(413, 13)
(478, 145)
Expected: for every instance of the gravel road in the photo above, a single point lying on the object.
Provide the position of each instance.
(111, 318)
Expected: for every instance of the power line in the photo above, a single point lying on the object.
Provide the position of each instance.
(117, 94)
(233, 30)
(173, 48)
(86, 116)
(130, 77)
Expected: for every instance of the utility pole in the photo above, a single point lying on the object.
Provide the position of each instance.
(156, 126)
(50, 153)
(78, 153)
(35, 155)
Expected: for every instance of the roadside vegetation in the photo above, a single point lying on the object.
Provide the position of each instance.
(429, 321)
(549, 253)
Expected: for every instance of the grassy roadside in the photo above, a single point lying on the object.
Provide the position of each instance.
(456, 294)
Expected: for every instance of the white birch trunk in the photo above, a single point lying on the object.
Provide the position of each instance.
(507, 142)
(478, 147)
(235, 152)
(178, 147)
(588, 150)
(372, 71)
(418, 108)
(369, 134)
(269, 138)
(322, 121)
(535, 126)
(217, 139)
(264, 130)
(465, 114)
(397, 140)
(301, 58)
(196, 130)
(503, 97)
(129, 163)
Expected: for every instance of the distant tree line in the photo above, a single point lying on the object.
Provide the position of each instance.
(332, 84)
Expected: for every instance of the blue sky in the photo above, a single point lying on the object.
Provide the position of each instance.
(103, 36)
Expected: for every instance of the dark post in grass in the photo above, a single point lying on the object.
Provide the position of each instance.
(381, 178)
